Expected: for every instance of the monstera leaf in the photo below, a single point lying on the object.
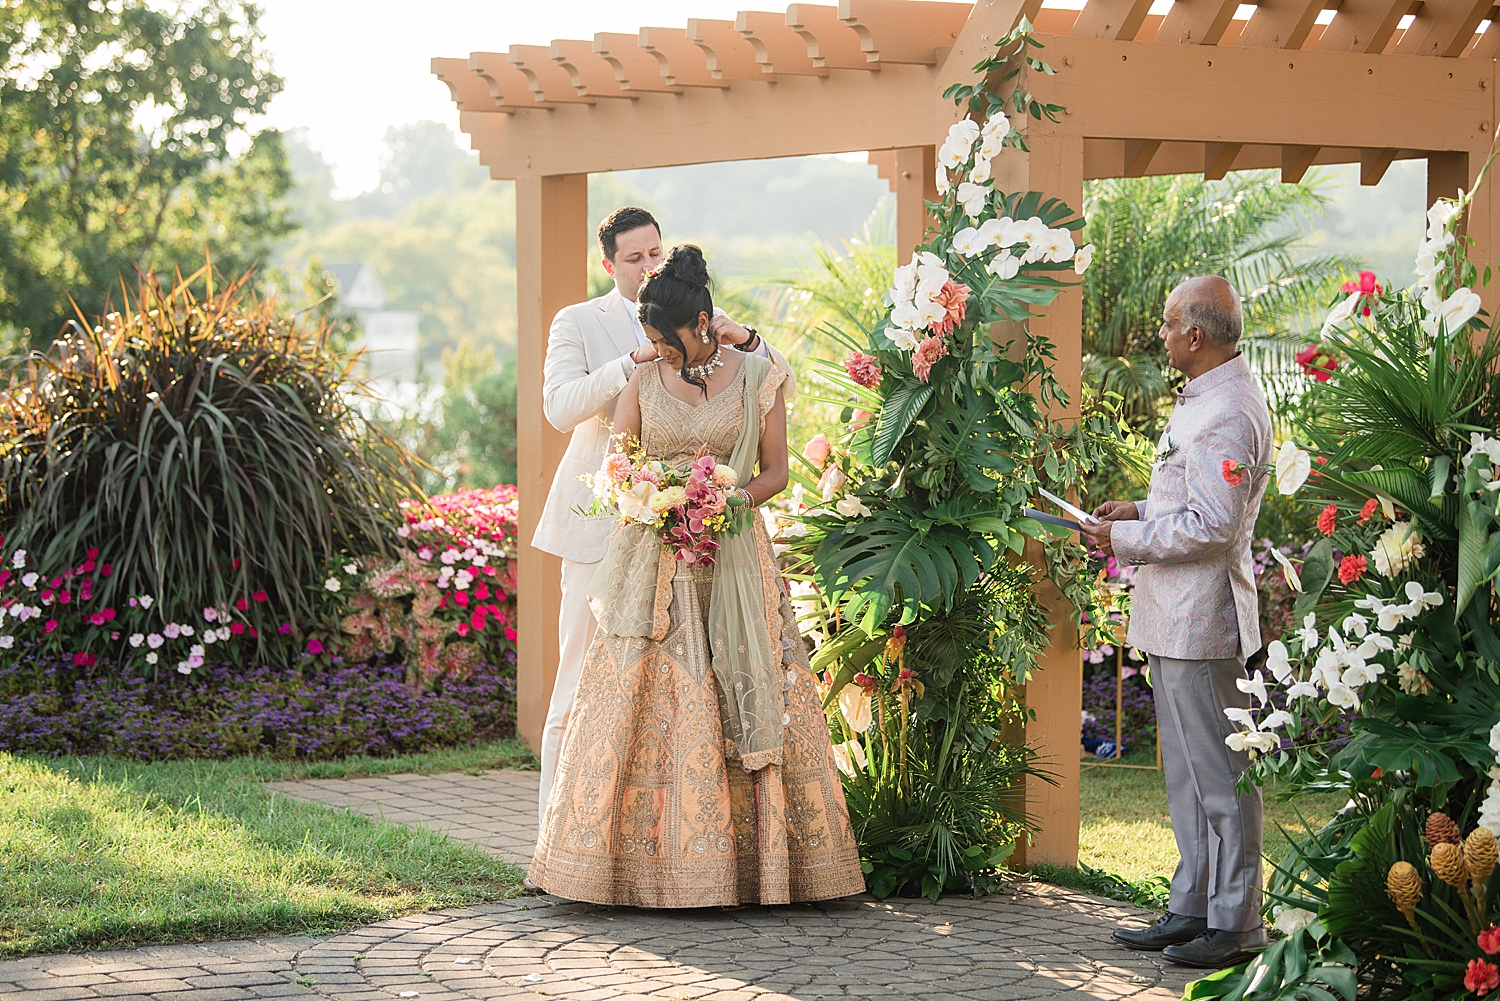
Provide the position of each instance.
(973, 436)
(888, 559)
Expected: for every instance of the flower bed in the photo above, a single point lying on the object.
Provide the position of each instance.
(224, 710)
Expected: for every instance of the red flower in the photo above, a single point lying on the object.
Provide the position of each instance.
(461, 599)
(1317, 362)
(463, 629)
(481, 590)
(477, 619)
(85, 590)
(314, 646)
(1368, 288)
(106, 570)
(252, 631)
(109, 615)
(97, 618)
(1352, 568)
(259, 596)
(241, 604)
(84, 660)
(1328, 520)
(927, 354)
(866, 682)
(510, 634)
(1368, 511)
(4, 577)
(236, 563)
(50, 626)
(47, 594)
(93, 552)
(863, 369)
(65, 596)
(1482, 977)
(1234, 473)
(237, 627)
(1489, 940)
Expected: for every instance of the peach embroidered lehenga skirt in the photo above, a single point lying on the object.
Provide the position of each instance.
(651, 807)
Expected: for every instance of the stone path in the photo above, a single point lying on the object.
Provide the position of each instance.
(1038, 942)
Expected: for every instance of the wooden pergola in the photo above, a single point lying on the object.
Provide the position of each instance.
(1200, 89)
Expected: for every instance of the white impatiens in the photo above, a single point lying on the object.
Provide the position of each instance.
(1293, 465)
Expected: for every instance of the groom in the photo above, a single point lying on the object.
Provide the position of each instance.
(592, 349)
(1194, 613)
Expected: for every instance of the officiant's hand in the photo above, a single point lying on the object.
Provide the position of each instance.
(1117, 511)
(1098, 535)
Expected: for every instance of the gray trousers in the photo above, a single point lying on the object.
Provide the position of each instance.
(1218, 831)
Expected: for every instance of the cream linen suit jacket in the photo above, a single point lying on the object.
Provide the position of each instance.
(1194, 596)
(581, 376)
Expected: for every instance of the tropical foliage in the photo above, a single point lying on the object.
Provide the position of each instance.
(1154, 232)
(196, 449)
(1395, 631)
(920, 527)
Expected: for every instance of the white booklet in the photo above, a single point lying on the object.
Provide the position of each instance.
(1077, 512)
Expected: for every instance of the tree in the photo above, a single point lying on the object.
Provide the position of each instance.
(119, 125)
(1152, 232)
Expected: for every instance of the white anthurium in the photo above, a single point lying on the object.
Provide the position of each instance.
(1293, 578)
(1083, 259)
(1293, 465)
(973, 198)
(943, 187)
(855, 705)
(1340, 313)
(1004, 266)
(1279, 661)
(970, 242)
(1291, 920)
(1453, 312)
(1254, 686)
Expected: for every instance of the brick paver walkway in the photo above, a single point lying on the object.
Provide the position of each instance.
(1038, 942)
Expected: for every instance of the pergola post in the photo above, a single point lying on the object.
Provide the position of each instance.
(551, 272)
(916, 184)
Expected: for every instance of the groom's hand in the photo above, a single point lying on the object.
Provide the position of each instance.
(1117, 511)
(646, 352)
(726, 331)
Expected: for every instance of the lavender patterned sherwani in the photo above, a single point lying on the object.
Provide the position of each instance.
(1194, 612)
(1194, 596)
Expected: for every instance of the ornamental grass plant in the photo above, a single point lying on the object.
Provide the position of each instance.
(196, 449)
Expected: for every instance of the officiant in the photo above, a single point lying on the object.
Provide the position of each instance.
(1196, 616)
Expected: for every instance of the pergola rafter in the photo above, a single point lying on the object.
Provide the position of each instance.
(1195, 90)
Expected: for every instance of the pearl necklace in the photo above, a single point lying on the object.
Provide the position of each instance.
(707, 368)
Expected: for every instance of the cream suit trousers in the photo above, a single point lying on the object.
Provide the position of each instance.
(575, 631)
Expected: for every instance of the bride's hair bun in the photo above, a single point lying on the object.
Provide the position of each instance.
(685, 263)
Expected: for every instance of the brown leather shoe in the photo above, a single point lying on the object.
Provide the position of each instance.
(530, 887)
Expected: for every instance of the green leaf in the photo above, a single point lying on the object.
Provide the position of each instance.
(1407, 486)
(1472, 542)
(1437, 475)
(901, 408)
(1215, 985)
(1317, 571)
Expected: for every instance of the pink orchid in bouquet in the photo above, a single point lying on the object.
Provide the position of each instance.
(691, 510)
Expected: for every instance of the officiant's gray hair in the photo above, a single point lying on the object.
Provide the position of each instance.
(1211, 304)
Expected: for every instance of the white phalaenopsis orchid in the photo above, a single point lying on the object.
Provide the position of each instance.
(943, 186)
(970, 242)
(1004, 266)
(1254, 686)
(1083, 258)
(973, 198)
(981, 172)
(1278, 661)
(1309, 633)
(1293, 465)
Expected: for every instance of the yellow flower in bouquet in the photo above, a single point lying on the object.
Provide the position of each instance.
(668, 498)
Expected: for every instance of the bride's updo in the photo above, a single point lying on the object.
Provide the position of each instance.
(673, 297)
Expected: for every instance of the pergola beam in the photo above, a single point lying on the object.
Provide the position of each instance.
(898, 31)
(682, 63)
(831, 44)
(730, 55)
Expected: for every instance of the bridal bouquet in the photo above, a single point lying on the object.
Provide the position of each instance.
(689, 509)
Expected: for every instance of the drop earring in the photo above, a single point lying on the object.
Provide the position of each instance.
(703, 336)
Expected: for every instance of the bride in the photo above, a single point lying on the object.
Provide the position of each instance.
(696, 769)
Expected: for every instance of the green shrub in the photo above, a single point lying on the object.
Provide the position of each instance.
(208, 447)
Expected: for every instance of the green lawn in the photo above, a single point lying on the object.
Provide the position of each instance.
(102, 853)
(1126, 832)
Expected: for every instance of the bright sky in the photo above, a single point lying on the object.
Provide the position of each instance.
(355, 67)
